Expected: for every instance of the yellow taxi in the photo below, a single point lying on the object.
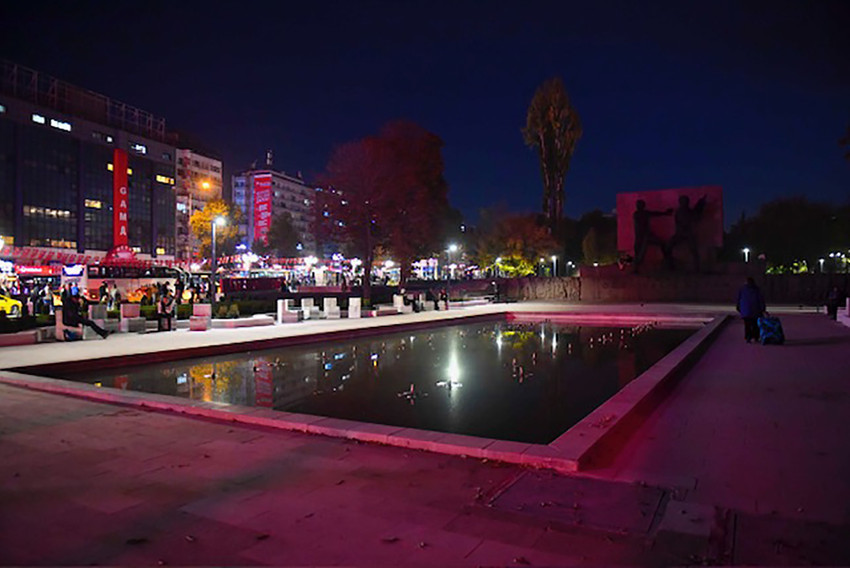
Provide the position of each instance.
(11, 306)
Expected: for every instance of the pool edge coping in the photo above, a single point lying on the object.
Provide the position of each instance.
(588, 441)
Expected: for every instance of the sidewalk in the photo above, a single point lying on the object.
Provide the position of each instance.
(746, 460)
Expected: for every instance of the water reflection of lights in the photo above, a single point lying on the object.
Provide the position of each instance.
(499, 341)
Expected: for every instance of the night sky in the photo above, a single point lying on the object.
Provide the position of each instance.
(752, 96)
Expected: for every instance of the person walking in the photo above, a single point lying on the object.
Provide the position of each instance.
(751, 307)
(834, 299)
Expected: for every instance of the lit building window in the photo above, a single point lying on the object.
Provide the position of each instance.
(110, 168)
(139, 148)
(39, 119)
(165, 179)
(102, 137)
(61, 125)
(160, 250)
(94, 204)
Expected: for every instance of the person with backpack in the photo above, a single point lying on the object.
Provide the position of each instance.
(751, 307)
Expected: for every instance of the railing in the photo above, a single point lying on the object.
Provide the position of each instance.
(42, 89)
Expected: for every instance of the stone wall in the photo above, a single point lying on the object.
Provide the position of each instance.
(541, 289)
(804, 289)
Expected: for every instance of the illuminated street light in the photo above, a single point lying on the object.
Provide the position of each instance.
(218, 221)
(820, 261)
(554, 265)
(746, 251)
(453, 247)
(205, 184)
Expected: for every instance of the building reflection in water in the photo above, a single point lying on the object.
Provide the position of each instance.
(516, 381)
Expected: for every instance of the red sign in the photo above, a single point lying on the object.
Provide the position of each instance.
(120, 198)
(120, 254)
(262, 206)
(37, 270)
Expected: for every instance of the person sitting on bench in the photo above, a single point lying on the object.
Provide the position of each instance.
(71, 317)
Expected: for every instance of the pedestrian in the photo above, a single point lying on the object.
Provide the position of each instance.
(71, 317)
(833, 300)
(166, 311)
(751, 307)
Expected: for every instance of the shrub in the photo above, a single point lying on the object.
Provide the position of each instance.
(184, 311)
(45, 320)
(233, 311)
(148, 312)
(221, 313)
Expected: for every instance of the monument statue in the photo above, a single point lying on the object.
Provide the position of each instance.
(686, 219)
(643, 233)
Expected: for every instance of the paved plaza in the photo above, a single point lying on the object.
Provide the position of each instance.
(745, 462)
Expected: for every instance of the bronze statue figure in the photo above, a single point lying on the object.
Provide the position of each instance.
(686, 219)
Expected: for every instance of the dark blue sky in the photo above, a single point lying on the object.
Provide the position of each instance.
(752, 96)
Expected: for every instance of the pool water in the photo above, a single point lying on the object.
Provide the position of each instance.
(527, 382)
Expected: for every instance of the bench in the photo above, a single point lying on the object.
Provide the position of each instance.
(97, 313)
(398, 304)
(131, 320)
(309, 309)
(287, 312)
(201, 318)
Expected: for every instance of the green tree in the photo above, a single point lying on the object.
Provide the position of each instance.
(517, 241)
(282, 237)
(598, 237)
(200, 223)
(790, 231)
(553, 128)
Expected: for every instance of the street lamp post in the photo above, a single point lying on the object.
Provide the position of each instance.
(220, 221)
(746, 251)
(820, 261)
(451, 250)
(554, 266)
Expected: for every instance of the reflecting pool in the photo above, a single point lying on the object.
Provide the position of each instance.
(526, 382)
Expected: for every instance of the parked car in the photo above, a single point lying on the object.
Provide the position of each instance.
(11, 306)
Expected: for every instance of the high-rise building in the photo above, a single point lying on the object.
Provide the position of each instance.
(199, 181)
(81, 172)
(262, 194)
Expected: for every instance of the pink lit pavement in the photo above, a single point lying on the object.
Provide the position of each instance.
(746, 461)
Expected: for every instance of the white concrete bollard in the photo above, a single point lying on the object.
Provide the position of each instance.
(331, 310)
(354, 307)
